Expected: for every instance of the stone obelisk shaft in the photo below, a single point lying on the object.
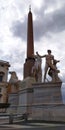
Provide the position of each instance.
(30, 44)
(30, 47)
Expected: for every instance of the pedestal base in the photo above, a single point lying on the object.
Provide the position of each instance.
(47, 102)
(42, 101)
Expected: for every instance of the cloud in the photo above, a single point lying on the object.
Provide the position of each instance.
(16, 61)
(19, 29)
(53, 22)
(49, 29)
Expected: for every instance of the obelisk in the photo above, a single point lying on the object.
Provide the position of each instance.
(29, 62)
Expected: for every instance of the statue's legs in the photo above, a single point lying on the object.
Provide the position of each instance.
(53, 67)
(39, 74)
(46, 68)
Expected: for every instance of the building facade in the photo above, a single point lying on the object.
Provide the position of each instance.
(4, 67)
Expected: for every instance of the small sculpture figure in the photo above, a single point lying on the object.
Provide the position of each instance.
(13, 78)
(49, 63)
(13, 82)
(36, 69)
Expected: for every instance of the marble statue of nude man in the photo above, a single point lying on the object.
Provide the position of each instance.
(49, 62)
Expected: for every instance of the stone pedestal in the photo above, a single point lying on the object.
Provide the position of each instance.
(42, 101)
(47, 93)
(13, 100)
(47, 102)
(25, 95)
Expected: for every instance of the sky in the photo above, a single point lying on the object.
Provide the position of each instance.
(48, 26)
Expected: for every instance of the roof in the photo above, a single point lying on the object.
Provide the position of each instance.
(4, 63)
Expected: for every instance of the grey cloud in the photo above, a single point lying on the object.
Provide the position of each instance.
(53, 22)
(50, 2)
(19, 29)
(1, 52)
(63, 78)
(3, 56)
(15, 59)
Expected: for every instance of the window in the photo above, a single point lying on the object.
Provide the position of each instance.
(0, 90)
(2, 65)
(1, 78)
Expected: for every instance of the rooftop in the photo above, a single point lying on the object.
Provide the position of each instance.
(5, 63)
